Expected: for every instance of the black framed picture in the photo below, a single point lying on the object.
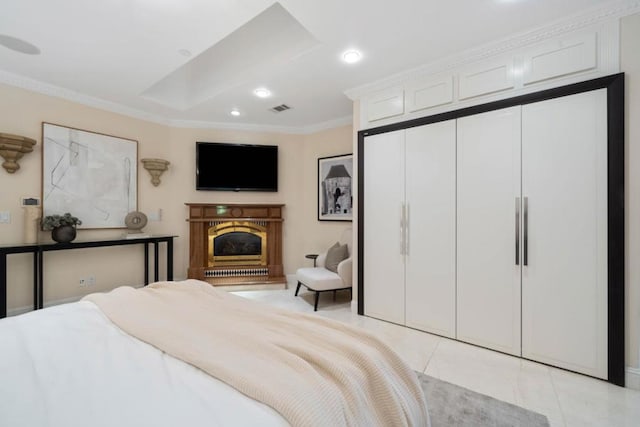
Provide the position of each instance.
(335, 196)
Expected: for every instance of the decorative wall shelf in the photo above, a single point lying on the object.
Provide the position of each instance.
(12, 148)
(155, 167)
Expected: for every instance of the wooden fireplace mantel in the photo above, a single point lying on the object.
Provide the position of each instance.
(204, 215)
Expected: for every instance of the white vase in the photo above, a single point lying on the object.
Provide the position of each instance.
(32, 215)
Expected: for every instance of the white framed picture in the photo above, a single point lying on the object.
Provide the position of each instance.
(91, 175)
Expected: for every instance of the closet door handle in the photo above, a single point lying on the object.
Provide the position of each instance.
(407, 223)
(517, 230)
(525, 237)
(402, 244)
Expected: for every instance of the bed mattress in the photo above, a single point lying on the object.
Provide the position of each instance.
(70, 366)
(185, 354)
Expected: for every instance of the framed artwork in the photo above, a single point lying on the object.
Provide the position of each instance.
(335, 197)
(90, 175)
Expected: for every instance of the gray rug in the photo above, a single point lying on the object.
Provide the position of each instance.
(454, 406)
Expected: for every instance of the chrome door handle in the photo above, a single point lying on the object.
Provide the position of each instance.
(402, 244)
(517, 230)
(525, 237)
(406, 229)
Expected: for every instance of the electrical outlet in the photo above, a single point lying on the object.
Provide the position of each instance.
(87, 281)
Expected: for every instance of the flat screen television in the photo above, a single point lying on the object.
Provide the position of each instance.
(236, 167)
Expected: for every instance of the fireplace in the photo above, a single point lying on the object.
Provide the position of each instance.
(233, 244)
(237, 243)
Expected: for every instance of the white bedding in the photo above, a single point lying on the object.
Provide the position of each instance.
(70, 366)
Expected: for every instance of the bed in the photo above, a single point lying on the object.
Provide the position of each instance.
(185, 354)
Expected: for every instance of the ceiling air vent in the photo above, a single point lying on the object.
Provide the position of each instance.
(280, 108)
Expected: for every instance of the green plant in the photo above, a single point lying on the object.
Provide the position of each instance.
(50, 222)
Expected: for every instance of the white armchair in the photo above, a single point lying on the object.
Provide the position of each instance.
(320, 279)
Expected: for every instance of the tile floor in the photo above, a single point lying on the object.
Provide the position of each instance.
(567, 399)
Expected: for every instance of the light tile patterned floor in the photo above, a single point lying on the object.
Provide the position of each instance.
(567, 399)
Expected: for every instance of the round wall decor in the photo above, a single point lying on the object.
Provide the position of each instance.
(135, 221)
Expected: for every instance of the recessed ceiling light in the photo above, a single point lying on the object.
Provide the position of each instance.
(235, 112)
(351, 56)
(262, 92)
(185, 52)
(18, 45)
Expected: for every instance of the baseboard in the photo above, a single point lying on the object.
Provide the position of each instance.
(27, 308)
(632, 379)
(258, 287)
(354, 306)
(291, 281)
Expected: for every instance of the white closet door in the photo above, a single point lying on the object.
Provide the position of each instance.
(488, 292)
(564, 289)
(383, 241)
(431, 215)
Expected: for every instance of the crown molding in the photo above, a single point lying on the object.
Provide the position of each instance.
(594, 16)
(43, 88)
(330, 124)
(249, 127)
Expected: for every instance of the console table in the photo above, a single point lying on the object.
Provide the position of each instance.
(38, 250)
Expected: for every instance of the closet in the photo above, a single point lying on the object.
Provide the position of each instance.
(411, 271)
(488, 284)
(532, 231)
(564, 253)
(502, 226)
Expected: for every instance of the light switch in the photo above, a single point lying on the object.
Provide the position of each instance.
(5, 217)
(155, 215)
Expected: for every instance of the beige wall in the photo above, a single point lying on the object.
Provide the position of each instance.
(22, 112)
(317, 236)
(630, 64)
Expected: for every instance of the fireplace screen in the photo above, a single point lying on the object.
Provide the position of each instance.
(236, 243)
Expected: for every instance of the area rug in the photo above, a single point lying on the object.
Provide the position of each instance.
(454, 406)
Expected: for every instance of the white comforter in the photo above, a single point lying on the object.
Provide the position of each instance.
(70, 366)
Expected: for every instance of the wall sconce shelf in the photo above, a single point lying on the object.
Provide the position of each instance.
(155, 167)
(12, 148)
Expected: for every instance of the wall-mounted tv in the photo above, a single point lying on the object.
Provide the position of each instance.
(236, 167)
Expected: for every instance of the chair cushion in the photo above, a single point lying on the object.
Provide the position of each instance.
(335, 254)
(319, 279)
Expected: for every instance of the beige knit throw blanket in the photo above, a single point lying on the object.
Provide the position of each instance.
(313, 371)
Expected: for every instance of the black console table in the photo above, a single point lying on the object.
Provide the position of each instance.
(38, 250)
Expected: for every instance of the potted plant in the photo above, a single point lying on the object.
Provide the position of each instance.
(63, 227)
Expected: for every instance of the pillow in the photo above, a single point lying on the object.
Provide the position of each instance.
(335, 254)
(334, 247)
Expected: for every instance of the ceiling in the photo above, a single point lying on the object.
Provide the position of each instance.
(131, 55)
